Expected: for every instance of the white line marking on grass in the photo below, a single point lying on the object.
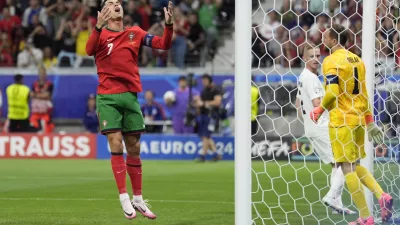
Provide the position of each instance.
(272, 205)
(105, 199)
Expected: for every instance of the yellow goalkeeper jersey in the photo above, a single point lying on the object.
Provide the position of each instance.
(348, 71)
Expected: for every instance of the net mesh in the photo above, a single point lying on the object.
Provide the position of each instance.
(288, 178)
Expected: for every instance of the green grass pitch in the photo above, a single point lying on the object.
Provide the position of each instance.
(83, 192)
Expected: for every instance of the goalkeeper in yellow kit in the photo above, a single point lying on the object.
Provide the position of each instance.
(346, 99)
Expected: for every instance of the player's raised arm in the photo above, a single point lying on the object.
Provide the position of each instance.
(165, 41)
(102, 18)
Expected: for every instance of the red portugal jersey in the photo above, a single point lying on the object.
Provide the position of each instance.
(116, 56)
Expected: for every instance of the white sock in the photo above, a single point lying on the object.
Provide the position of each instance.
(331, 193)
(123, 196)
(137, 198)
(338, 183)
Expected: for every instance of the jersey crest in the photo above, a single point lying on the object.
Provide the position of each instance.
(131, 37)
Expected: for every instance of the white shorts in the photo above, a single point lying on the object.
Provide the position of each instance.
(322, 147)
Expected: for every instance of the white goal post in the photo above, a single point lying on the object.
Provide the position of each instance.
(368, 56)
(243, 214)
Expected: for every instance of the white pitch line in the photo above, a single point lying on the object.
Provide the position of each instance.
(155, 200)
(105, 199)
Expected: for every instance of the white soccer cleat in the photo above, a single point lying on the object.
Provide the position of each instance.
(346, 211)
(143, 207)
(127, 207)
(337, 207)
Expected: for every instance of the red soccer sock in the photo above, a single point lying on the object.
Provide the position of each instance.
(119, 169)
(134, 167)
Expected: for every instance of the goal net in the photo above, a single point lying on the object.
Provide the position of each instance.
(288, 179)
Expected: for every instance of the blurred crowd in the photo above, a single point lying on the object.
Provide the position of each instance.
(53, 33)
(279, 40)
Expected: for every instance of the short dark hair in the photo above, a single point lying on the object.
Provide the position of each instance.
(339, 33)
(182, 78)
(18, 78)
(208, 77)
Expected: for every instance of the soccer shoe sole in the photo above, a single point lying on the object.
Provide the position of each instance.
(343, 212)
(386, 209)
(144, 214)
(130, 216)
(339, 210)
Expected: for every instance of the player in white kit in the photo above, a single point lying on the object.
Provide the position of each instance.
(309, 96)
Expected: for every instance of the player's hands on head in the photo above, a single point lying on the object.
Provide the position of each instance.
(103, 16)
(375, 134)
(168, 13)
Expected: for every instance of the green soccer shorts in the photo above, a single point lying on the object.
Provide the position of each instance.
(119, 112)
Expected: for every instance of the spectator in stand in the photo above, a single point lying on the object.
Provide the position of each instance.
(128, 22)
(92, 4)
(14, 8)
(354, 10)
(315, 33)
(317, 6)
(42, 106)
(266, 41)
(299, 40)
(145, 10)
(9, 22)
(152, 111)
(289, 19)
(180, 106)
(396, 43)
(386, 35)
(207, 16)
(35, 22)
(196, 41)
(83, 28)
(64, 40)
(34, 9)
(18, 38)
(179, 45)
(30, 57)
(186, 6)
(132, 11)
(158, 55)
(267, 28)
(90, 120)
(75, 9)
(49, 60)
(319, 27)
(258, 49)
(40, 37)
(56, 13)
(6, 59)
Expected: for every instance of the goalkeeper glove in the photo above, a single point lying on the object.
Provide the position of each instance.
(316, 113)
(375, 134)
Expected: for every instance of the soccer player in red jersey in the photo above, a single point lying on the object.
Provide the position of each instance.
(116, 50)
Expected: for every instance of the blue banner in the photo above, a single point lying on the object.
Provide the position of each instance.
(71, 92)
(171, 147)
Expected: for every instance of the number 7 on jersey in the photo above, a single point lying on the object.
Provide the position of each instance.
(110, 47)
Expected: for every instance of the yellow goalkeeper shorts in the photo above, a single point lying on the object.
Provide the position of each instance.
(347, 143)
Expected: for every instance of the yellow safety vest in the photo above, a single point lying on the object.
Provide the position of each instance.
(17, 97)
(254, 104)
